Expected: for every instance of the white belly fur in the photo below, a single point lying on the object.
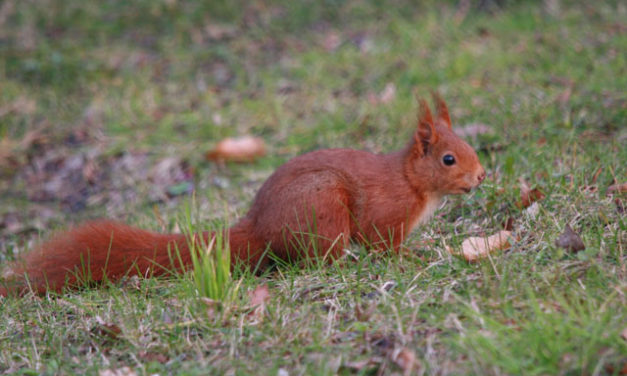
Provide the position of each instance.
(431, 205)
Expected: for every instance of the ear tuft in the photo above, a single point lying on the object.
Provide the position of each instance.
(442, 109)
(425, 113)
(426, 135)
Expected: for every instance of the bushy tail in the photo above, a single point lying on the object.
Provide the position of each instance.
(109, 250)
(93, 252)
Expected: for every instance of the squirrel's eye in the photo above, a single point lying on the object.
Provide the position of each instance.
(448, 160)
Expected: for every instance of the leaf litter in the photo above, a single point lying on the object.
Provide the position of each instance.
(475, 248)
(570, 240)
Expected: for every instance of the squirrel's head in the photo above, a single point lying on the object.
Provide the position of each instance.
(437, 160)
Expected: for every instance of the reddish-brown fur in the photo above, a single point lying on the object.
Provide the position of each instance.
(315, 204)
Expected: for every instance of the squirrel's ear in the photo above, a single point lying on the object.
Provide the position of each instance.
(426, 135)
(442, 110)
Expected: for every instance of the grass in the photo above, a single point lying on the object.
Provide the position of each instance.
(123, 88)
(211, 265)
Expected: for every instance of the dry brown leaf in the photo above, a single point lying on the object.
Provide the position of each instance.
(508, 224)
(623, 334)
(610, 369)
(260, 295)
(528, 195)
(106, 331)
(617, 188)
(405, 359)
(241, 149)
(570, 241)
(152, 356)
(475, 248)
(258, 298)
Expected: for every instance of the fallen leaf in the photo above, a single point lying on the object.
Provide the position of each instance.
(106, 331)
(260, 295)
(610, 369)
(570, 241)
(508, 224)
(242, 149)
(623, 334)
(528, 195)
(258, 298)
(617, 188)
(475, 248)
(151, 356)
(405, 359)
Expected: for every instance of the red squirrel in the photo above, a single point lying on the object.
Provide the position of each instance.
(313, 205)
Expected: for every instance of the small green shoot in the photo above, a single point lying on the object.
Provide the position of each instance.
(211, 263)
(210, 260)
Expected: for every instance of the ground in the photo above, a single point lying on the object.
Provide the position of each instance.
(107, 109)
